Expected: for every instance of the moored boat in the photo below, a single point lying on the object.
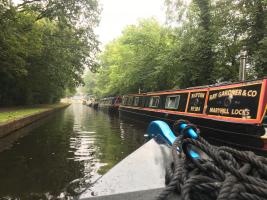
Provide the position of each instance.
(111, 104)
(230, 113)
(90, 99)
(84, 102)
(95, 104)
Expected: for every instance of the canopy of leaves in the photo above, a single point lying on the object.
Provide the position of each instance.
(137, 60)
(44, 48)
(200, 44)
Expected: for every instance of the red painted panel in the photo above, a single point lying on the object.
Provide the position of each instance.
(262, 103)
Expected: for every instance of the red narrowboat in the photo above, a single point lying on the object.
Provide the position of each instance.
(230, 113)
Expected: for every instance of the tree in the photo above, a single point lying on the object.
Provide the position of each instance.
(255, 24)
(89, 82)
(217, 31)
(200, 45)
(44, 48)
(139, 59)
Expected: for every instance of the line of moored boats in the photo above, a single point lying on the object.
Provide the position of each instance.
(231, 113)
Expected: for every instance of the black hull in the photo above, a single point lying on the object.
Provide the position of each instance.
(238, 135)
(109, 109)
(95, 106)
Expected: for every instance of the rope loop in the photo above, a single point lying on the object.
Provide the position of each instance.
(176, 126)
(222, 173)
(190, 126)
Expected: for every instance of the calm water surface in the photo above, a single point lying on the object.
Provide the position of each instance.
(39, 161)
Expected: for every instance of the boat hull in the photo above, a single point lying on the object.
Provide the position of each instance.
(244, 136)
(109, 108)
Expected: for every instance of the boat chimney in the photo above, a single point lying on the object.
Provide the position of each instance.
(242, 68)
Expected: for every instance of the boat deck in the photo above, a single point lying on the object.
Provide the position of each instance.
(140, 195)
(141, 175)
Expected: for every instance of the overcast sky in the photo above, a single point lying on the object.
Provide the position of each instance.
(117, 14)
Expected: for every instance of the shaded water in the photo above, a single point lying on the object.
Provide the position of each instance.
(69, 145)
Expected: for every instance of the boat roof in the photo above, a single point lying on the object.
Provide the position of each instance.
(197, 87)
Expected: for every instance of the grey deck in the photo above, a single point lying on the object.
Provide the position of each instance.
(141, 195)
(141, 173)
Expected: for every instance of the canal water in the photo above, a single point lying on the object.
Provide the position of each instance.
(41, 160)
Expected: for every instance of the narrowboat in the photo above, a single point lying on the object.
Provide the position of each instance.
(110, 104)
(84, 102)
(229, 113)
(90, 99)
(95, 104)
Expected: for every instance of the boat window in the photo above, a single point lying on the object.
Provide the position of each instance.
(154, 102)
(119, 100)
(130, 101)
(136, 101)
(124, 101)
(172, 102)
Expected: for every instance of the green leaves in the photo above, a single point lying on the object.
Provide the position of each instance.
(200, 45)
(44, 49)
(139, 59)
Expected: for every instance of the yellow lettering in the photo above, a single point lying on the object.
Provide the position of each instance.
(252, 93)
(239, 93)
(198, 95)
(195, 108)
(223, 111)
(213, 96)
(234, 92)
(241, 112)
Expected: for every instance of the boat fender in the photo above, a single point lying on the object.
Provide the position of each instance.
(186, 128)
(161, 128)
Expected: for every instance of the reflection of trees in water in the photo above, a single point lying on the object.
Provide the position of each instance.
(8, 141)
(72, 144)
(37, 166)
(120, 140)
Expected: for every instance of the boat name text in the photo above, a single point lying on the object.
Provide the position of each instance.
(198, 95)
(233, 92)
(226, 111)
(195, 108)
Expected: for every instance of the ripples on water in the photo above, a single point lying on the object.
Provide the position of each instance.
(39, 161)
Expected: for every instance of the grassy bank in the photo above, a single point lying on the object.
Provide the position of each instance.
(14, 113)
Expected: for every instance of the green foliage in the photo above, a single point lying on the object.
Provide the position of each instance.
(89, 80)
(200, 45)
(240, 23)
(69, 92)
(44, 48)
(137, 60)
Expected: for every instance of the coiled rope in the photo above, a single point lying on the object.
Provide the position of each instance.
(221, 173)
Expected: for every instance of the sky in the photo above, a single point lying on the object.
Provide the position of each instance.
(117, 14)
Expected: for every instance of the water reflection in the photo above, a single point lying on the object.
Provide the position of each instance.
(74, 143)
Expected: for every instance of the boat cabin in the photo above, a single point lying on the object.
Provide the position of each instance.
(232, 109)
(242, 102)
(110, 103)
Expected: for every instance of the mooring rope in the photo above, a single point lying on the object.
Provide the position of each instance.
(220, 173)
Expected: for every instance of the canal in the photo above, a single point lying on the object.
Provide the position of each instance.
(40, 161)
